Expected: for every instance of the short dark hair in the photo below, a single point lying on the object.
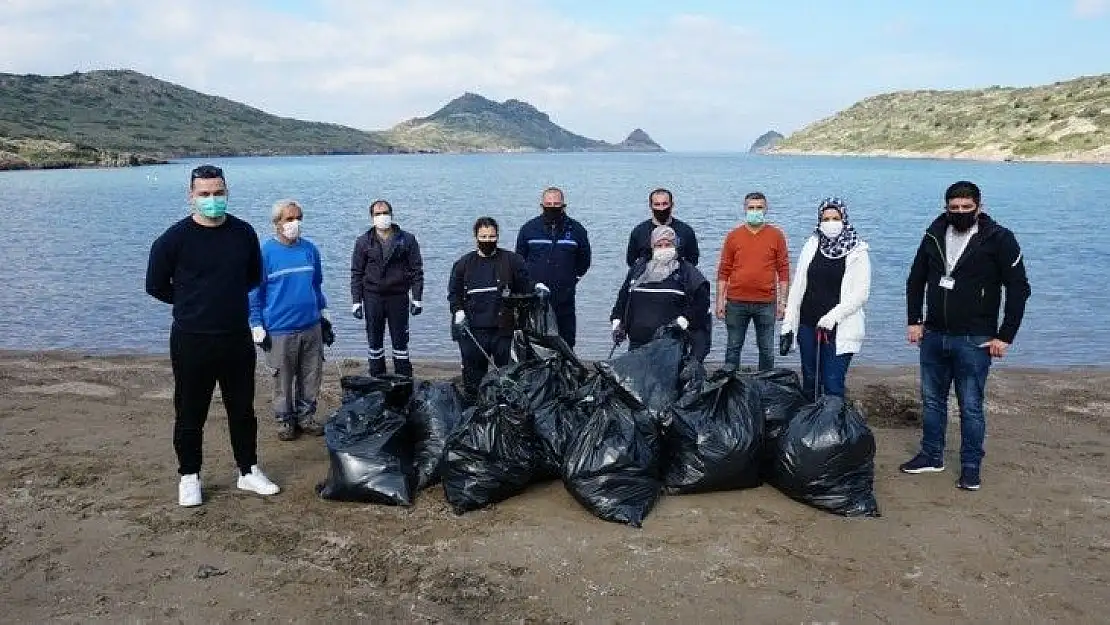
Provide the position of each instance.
(562, 196)
(963, 190)
(206, 172)
(755, 195)
(384, 203)
(486, 222)
(670, 196)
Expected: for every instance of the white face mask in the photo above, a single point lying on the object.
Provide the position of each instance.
(383, 222)
(291, 229)
(664, 254)
(831, 229)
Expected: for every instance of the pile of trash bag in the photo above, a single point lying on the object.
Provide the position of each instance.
(619, 434)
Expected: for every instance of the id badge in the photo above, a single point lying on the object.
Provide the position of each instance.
(946, 282)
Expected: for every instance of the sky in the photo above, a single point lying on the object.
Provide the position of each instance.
(697, 75)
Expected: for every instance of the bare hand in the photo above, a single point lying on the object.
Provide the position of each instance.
(780, 311)
(721, 310)
(997, 348)
(914, 334)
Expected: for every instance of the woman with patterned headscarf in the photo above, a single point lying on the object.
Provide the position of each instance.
(661, 290)
(825, 307)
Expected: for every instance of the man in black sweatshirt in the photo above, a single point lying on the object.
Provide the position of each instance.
(661, 203)
(204, 266)
(964, 262)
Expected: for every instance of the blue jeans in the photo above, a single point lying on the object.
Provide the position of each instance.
(834, 368)
(737, 316)
(948, 358)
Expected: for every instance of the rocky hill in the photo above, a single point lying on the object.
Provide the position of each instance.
(639, 141)
(765, 142)
(122, 117)
(1064, 121)
(473, 123)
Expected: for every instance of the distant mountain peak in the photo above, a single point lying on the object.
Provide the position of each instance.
(766, 141)
(640, 141)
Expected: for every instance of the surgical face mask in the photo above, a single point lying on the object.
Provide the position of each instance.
(754, 217)
(662, 215)
(831, 229)
(212, 206)
(291, 229)
(383, 222)
(664, 254)
(962, 222)
(487, 247)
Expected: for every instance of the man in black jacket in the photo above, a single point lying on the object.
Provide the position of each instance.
(661, 203)
(963, 263)
(386, 271)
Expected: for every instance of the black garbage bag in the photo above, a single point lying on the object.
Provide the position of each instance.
(613, 465)
(370, 454)
(434, 411)
(489, 456)
(826, 458)
(556, 423)
(396, 388)
(714, 438)
(530, 384)
(781, 393)
(651, 374)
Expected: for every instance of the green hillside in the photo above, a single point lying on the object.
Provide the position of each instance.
(1067, 120)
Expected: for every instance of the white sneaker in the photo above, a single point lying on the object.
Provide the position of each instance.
(188, 491)
(257, 482)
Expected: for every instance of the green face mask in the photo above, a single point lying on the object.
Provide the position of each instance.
(755, 218)
(212, 207)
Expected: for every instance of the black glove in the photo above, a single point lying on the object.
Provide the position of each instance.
(415, 309)
(326, 332)
(786, 341)
(619, 335)
(266, 343)
(356, 311)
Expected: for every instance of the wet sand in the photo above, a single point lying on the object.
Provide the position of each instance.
(90, 529)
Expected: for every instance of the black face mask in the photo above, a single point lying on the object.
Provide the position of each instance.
(487, 247)
(661, 215)
(551, 214)
(962, 222)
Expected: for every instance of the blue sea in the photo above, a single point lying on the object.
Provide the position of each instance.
(75, 242)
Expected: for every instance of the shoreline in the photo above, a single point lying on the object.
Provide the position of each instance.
(440, 365)
(941, 155)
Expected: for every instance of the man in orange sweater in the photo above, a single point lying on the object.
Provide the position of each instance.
(753, 279)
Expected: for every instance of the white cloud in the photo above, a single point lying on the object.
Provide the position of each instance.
(695, 83)
(1091, 8)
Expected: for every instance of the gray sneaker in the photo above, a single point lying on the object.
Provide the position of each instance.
(309, 425)
(287, 431)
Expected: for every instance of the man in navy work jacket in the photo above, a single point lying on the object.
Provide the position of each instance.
(964, 262)
(481, 323)
(661, 203)
(386, 271)
(556, 250)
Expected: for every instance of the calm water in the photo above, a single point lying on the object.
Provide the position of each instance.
(75, 243)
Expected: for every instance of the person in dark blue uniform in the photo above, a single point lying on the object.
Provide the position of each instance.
(661, 202)
(387, 284)
(661, 291)
(556, 250)
(481, 324)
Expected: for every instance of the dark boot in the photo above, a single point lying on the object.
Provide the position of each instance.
(287, 431)
(402, 366)
(376, 367)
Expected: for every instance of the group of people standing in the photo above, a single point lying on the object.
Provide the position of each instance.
(230, 294)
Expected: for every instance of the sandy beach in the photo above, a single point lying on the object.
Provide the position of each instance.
(90, 530)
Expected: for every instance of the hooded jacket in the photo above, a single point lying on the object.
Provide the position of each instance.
(992, 261)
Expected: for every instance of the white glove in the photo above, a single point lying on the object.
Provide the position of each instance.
(326, 314)
(616, 323)
(417, 303)
(460, 317)
(826, 323)
(540, 286)
(682, 322)
(355, 308)
(258, 334)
